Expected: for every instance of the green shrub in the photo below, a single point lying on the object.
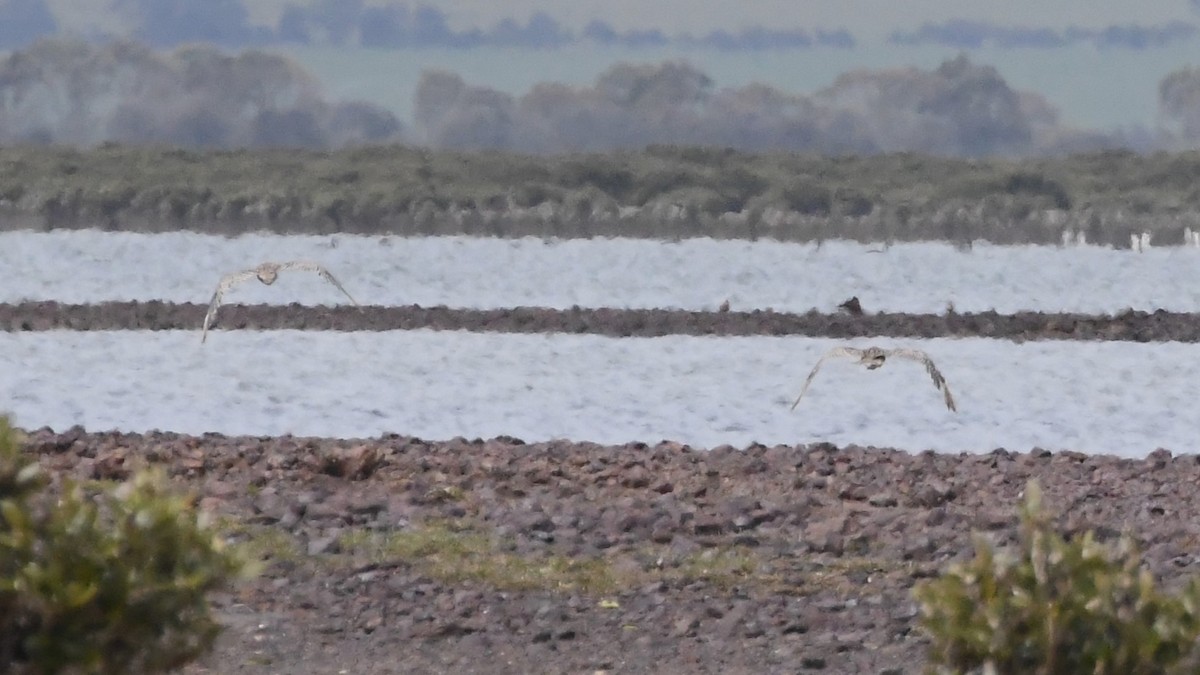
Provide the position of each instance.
(737, 186)
(1059, 607)
(1036, 184)
(853, 203)
(18, 480)
(807, 197)
(530, 195)
(597, 171)
(661, 180)
(102, 581)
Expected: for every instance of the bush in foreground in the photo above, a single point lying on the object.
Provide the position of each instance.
(1058, 607)
(108, 581)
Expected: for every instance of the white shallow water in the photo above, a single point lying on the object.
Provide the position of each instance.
(93, 266)
(1118, 397)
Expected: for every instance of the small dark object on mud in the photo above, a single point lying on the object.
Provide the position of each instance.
(852, 307)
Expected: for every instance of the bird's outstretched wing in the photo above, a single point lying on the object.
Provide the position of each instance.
(319, 269)
(227, 282)
(934, 373)
(852, 352)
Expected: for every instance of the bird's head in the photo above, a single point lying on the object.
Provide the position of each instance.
(268, 273)
(873, 357)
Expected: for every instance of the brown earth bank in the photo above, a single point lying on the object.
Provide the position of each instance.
(1137, 326)
(401, 555)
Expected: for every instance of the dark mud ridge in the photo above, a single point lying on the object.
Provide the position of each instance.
(1130, 325)
(400, 555)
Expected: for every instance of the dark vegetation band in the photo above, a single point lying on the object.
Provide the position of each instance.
(663, 192)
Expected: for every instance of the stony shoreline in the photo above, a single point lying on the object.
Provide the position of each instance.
(403, 555)
(1130, 325)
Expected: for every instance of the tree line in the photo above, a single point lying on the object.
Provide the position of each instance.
(69, 91)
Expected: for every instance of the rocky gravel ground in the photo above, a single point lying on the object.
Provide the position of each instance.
(1130, 325)
(402, 555)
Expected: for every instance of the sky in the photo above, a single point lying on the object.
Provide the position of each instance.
(877, 17)
(866, 18)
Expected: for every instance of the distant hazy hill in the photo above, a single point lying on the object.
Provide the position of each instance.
(77, 92)
(402, 24)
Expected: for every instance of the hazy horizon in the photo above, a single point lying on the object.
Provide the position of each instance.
(1098, 64)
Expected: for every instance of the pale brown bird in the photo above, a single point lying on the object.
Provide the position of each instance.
(874, 357)
(724, 306)
(267, 273)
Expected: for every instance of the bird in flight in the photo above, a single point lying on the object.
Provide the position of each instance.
(267, 273)
(874, 357)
